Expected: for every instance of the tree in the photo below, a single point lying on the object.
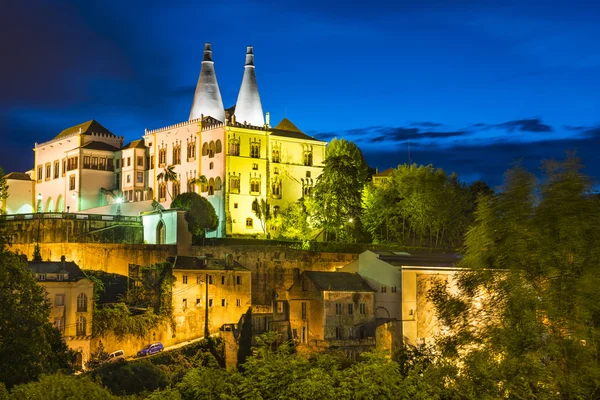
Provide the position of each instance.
(199, 213)
(98, 358)
(29, 345)
(337, 193)
(262, 212)
(3, 191)
(525, 321)
(295, 220)
(59, 387)
(168, 175)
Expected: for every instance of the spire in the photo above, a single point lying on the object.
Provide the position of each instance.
(248, 107)
(207, 99)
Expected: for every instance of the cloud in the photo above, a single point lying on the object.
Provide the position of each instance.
(525, 125)
(426, 124)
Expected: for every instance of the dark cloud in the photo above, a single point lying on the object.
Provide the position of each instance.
(426, 124)
(525, 125)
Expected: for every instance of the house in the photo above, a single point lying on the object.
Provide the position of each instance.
(384, 177)
(402, 282)
(206, 286)
(330, 311)
(71, 294)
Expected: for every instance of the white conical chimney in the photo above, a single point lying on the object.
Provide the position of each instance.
(207, 99)
(248, 107)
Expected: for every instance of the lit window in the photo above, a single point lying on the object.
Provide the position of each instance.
(303, 310)
(255, 149)
(59, 300)
(211, 165)
(81, 326)
(249, 223)
(238, 302)
(82, 303)
(338, 308)
(72, 182)
(383, 289)
(223, 303)
(140, 161)
(238, 280)
(210, 302)
(184, 279)
(234, 184)
(363, 308)
(222, 279)
(140, 178)
(255, 166)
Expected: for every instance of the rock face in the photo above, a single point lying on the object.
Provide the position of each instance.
(207, 99)
(248, 109)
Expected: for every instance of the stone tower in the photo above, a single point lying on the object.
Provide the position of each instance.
(207, 99)
(248, 108)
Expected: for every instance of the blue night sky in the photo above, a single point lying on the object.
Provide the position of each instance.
(473, 85)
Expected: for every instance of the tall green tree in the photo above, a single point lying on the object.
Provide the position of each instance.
(262, 211)
(295, 221)
(199, 213)
(337, 193)
(3, 191)
(29, 345)
(525, 322)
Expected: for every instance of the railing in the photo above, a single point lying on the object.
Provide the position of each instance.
(73, 216)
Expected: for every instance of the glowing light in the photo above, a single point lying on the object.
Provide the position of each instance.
(119, 200)
(39, 196)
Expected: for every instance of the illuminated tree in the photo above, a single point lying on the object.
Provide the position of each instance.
(262, 212)
(526, 321)
(3, 190)
(168, 175)
(337, 193)
(199, 213)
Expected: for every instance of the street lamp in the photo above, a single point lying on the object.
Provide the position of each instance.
(39, 204)
(119, 200)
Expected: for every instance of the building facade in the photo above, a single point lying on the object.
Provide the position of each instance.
(222, 286)
(233, 157)
(71, 294)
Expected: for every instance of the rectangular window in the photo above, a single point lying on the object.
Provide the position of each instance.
(210, 302)
(198, 280)
(118, 180)
(42, 277)
(238, 280)
(338, 308)
(363, 308)
(222, 279)
(383, 289)
(39, 173)
(56, 169)
(140, 161)
(102, 163)
(210, 281)
(254, 166)
(129, 161)
(223, 303)
(94, 162)
(140, 178)
(184, 304)
(128, 178)
(280, 307)
(303, 334)
(393, 289)
(303, 310)
(59, 300)
(339, 332)
(197, 302)
(184, 279)
(72, 182)
(118, 163)
(64, 169)
(86, 161)
(48, 171)
(110, 164)
(350, 309)
(59, 323)
(238, 302)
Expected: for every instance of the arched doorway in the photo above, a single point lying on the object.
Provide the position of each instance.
(49, 205)
(60, 204)
(161, 232)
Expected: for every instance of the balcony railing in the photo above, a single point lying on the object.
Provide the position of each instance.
(73, 216)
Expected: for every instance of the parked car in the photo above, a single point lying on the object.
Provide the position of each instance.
(151, 349)
(116, 356)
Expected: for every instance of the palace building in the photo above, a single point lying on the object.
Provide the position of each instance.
(230, 156)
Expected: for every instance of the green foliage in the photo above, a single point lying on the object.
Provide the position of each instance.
(29, 345)
(337, 193)
(168, 175)
(262, 212)
(97, 358)
(132, 377)
(245, 340)
(199, 213)
(60, 387)
(524, 323)
(118, 320)
(295, 222)
(420, 206)
(3, 190)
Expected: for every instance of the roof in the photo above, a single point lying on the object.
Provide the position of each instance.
(136, 144)
(87, 128)
(399, 259)
(338, 281)
(287, 129)
(93, 145)
(58, 267)
(19, 176)
(387, 172)
(204, 263)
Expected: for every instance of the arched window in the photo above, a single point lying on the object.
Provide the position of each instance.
(211, 149)
(211, 165)
(218, 146)
(249, 223)
(234, 147)
(234, 184)
(160, 232)
(81, 326)
(218, 184)
(276, 188)
(275, 155)
(255, 186)
(205, 149)
(82, 302)
(162, 191)
(211, 186)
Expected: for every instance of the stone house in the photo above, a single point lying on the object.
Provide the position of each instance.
(330, 311)
(71, 295)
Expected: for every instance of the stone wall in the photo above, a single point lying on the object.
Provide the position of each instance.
(273, 268)
(70, 227)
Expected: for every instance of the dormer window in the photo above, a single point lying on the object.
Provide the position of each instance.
(41, 277)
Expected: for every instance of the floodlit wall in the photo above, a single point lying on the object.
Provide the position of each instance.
(21, 197)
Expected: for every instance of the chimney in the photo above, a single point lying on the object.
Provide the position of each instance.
(229, 261)
(207, 99)
(62, 261)
(248, 107)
